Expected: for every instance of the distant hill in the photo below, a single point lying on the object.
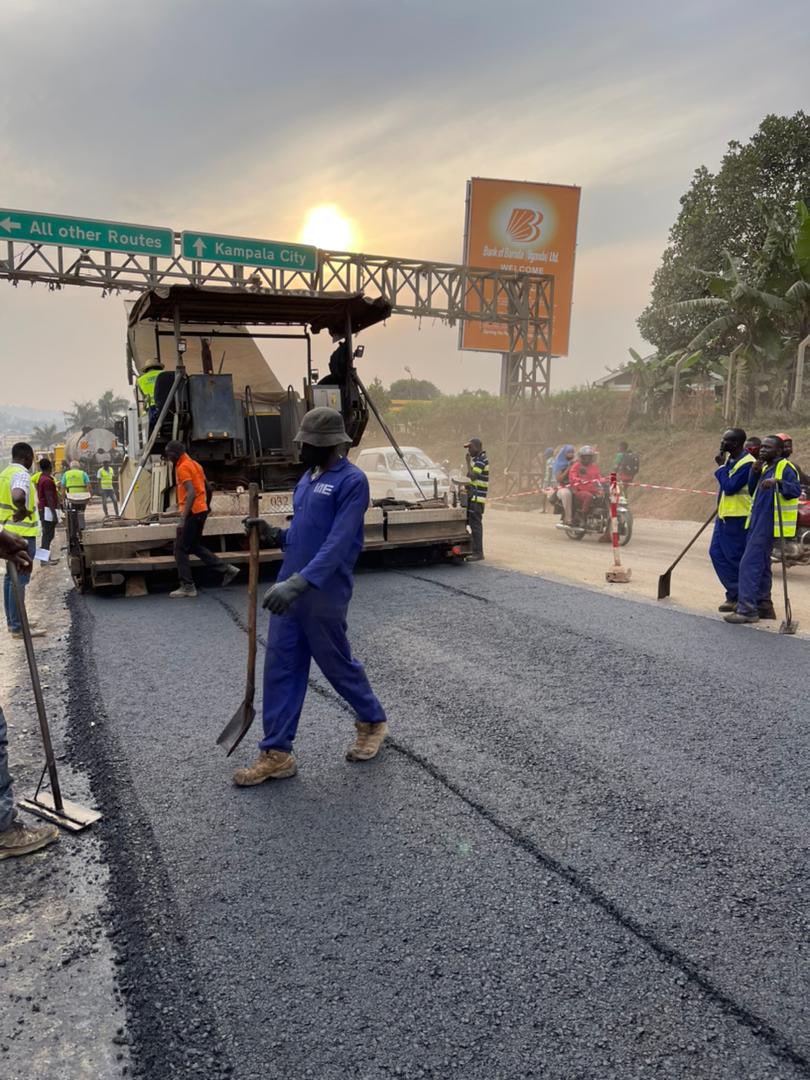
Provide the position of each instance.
(21, 418)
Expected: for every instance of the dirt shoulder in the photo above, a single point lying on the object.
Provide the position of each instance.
(531, 543)
(62, 1014)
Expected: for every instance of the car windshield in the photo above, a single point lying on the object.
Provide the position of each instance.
(417, 460)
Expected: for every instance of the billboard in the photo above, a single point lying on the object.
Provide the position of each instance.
(521, 226)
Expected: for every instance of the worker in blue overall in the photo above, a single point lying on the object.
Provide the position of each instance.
(774, 485)
(733, 506)
(310, 600)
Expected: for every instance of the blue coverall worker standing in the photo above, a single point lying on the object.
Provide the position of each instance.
(772, 478)
(733, 506)
(310, 600)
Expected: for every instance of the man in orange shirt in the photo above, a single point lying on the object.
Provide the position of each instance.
(192, 501)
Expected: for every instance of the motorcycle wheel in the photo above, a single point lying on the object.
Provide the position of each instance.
(573, 533)
(625, 526)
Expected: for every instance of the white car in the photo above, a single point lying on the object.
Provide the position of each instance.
(389, 479)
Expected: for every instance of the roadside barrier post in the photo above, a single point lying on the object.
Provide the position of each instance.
(617, 574)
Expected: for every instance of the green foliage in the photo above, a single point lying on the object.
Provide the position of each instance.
(732, 213)
(378, 394)
(84, 415)
(46, 436)
(110, 406)
(414, 390)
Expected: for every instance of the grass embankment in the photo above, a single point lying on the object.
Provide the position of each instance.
(683, 459)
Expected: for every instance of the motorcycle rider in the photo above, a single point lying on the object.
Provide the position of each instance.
(560, 471)
(585, 482)
(733, 508)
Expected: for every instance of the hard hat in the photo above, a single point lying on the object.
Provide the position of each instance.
(474, 444)
(322, 427)
(153, 364)
(586, 450)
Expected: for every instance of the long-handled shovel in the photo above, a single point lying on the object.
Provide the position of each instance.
(46, 804)
(788, 626)
(239, 724)
(665, 580)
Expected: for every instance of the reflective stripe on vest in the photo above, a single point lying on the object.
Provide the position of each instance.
(789, 507)
(29, 525)
(479, 480)
(146, 384)
(74, 480)
(738, 505)
(106, 479)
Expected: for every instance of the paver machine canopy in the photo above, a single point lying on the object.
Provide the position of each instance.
(243, 436)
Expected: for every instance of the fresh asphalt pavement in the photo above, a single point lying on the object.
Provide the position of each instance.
(584, 853)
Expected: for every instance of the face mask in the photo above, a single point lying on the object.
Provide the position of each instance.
(315, 456)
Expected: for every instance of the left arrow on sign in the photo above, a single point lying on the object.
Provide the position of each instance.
(8, 224)
(199, 247)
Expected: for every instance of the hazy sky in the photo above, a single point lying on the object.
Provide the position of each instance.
(239, 116)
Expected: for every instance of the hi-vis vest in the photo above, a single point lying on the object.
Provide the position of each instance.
(74, 480)
(789, 507)
(146, 384)
(105, 476)
(29, 524)
(738, 505)
(479, 479)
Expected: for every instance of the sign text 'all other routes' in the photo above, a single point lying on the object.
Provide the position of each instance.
(31, 227)
(208, 247)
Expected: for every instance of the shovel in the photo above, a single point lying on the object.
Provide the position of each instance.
(50, 805)
(788, 626)
(239, 724)
(665, 580)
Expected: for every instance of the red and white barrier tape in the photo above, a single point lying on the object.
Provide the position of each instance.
(625, 483)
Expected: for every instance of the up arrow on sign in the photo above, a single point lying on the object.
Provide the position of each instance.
(244, 252)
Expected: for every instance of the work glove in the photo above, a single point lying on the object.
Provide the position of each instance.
(269, 535)
(283, 594)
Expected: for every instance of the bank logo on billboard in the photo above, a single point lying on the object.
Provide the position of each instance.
(524, 225)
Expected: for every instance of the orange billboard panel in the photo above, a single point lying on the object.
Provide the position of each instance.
(520, 226)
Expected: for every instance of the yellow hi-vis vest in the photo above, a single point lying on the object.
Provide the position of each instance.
(146, 384)
(29, 526)
(35, 479)
(74, 480)
(105, 476)
(738, 505)
(789, 507)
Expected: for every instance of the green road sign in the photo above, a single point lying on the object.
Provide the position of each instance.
(243, 252)
(34, 228)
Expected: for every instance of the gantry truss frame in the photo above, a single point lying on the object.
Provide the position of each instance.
(523, 303)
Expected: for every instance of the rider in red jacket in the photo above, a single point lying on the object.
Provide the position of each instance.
(585, 478)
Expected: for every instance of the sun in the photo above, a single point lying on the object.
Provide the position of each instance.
(327, 227)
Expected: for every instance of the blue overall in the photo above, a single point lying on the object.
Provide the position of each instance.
(728, 539)
(755, 566)
(322, 544)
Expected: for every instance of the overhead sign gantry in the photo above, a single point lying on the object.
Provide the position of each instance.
(116, 256)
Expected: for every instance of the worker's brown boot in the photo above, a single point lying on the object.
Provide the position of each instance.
(728, 605)
(269, 765)
(368, 741)
(766, 611)
(23, 839)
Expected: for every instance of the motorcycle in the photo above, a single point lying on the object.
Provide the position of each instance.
(797, 549)
(597, 519)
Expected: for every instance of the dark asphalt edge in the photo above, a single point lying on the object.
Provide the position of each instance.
(776, 1042)
(172, 1030)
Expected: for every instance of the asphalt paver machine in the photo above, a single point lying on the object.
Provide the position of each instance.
(217, 394)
